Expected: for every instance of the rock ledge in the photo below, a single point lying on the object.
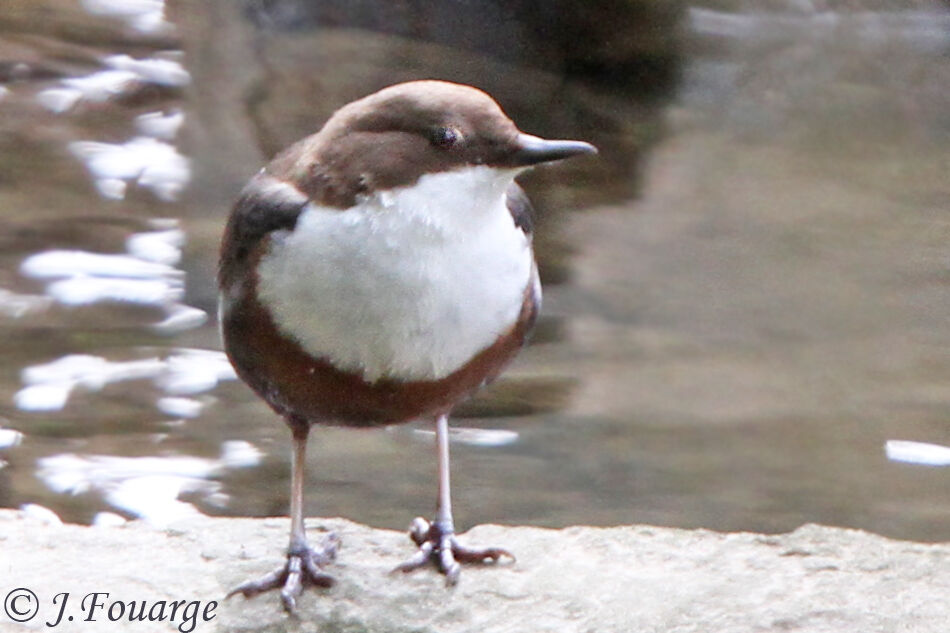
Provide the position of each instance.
(578, 579)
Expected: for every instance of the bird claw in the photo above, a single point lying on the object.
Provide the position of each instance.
(301, 569)
(438, 545)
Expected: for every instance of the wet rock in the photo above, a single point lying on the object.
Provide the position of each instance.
(59, 25)
(632, 578)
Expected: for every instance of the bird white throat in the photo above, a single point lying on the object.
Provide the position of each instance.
(409, 283)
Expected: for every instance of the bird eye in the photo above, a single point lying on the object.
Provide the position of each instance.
(446, 137)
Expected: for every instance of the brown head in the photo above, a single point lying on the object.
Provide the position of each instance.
(393, 137)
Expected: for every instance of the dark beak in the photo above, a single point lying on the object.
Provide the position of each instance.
(532, 150)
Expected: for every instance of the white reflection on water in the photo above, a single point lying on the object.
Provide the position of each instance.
(108, 519)
(917, 453)
(162, 247)
(155, 497)
(77, 291)
(43, 397)
(97, 87)
(476, 437)
(147, 16)
(126, 74)
(178, 318)
(57, 263)
(150, 163)
(240, 454)
(146, 487)
(9, 437)
(178, 407)
(40, 513)
(146, 160)
(145, 276)
(192, 371)
(184, 372)
(160, 125)
(162, 72)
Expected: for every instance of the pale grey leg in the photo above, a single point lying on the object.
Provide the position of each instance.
(436, 540)
(303, 564)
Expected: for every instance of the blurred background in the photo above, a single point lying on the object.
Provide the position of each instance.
(747, 295)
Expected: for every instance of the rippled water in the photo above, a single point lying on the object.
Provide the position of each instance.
(746, 296)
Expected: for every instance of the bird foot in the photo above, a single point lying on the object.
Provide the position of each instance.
(302, 569)
(438, 545)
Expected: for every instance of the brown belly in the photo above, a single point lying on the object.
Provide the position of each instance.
(308, 390)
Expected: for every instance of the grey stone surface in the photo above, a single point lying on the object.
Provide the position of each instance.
(578, 579)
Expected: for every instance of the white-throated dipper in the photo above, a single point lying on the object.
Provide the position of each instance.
(380, 271)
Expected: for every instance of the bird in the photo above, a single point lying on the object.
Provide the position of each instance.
(380, 271)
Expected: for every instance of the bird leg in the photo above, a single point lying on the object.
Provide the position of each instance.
(436, 539)
(303, 565)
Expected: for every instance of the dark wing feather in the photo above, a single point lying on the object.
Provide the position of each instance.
(520, 208)
(266, 205)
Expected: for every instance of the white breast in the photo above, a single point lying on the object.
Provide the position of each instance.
(408, 284)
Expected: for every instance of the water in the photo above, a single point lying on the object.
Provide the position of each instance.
(746, 294)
